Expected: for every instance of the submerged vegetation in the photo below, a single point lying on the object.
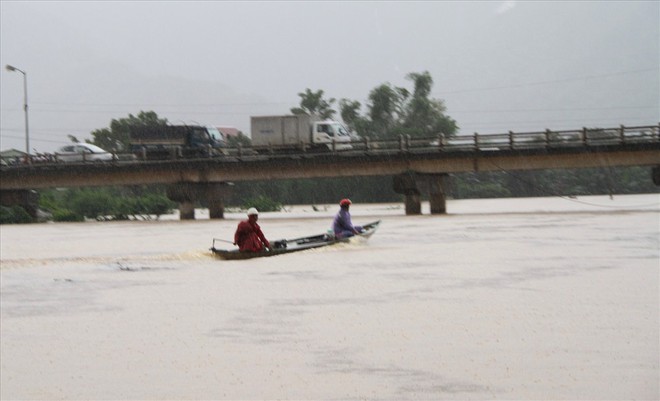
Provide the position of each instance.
(150, 202)
(504, 184)
(14, 215)
(141, 203)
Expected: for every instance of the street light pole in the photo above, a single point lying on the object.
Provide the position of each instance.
(25, 107)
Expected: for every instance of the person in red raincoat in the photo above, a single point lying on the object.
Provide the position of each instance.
(248, 236)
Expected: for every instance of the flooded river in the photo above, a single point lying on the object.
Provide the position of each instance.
(544, 298)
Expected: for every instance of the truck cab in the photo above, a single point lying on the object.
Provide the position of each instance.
(327, 132)
(172, 141)
(218, 141)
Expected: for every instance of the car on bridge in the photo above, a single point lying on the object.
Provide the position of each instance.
(81, 152)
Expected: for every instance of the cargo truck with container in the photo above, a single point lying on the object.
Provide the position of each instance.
(290, 133)
(175, 141)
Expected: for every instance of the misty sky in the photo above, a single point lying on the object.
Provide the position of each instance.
(498, 66)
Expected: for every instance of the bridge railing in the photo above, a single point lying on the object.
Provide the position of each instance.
(585, 137)
(546, 139)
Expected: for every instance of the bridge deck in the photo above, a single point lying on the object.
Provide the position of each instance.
(622, 146)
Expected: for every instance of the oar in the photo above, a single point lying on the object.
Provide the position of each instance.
(222, 240)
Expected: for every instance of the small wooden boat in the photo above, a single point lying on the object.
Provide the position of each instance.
(293, 245)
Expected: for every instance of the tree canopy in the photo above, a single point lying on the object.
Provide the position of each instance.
(116, 138)
(240, 139)
(425, 116)
(313, 103)
(390, 111)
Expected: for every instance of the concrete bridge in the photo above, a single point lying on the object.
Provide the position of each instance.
(417, 167)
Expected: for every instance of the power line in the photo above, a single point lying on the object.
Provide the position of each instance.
(124, 111)
(582, 78)
(553, 110)
(56, 130)
(36, 139)
(224, 104)
(609, 108)
(167, 104)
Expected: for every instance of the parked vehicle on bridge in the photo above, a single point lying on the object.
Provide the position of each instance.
(175, 141)
(82, 152)
(298, 132)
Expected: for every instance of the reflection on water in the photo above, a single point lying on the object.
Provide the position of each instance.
(508, 298)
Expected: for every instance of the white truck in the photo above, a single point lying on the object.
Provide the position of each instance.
(298, 132)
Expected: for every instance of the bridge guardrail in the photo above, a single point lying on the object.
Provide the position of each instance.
(585, 137)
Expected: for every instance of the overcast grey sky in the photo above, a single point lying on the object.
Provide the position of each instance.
(498, 66)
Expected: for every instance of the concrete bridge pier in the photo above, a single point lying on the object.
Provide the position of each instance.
(215, 194)
(186, 210)
(436, 187)
(655, 174)
(413, 203)
(187, 193)
(217, 209)
(413, 184)
(26, 198)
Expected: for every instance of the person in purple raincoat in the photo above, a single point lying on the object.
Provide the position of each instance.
(342, 225)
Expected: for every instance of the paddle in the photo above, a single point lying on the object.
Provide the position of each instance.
(222, 240)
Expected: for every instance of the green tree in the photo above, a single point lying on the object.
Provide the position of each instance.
(385, 109)
(263, 203)
(116, 138)
(14, 215)
(350, 114)
(94, 203)
(111, 203)
(394, 111)
(56, 202)
(234, 141)
(349, 110)
(67, 215)
(424, 116)
(313, 103)
(157, 204)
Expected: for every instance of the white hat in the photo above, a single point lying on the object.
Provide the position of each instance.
(252, 211)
